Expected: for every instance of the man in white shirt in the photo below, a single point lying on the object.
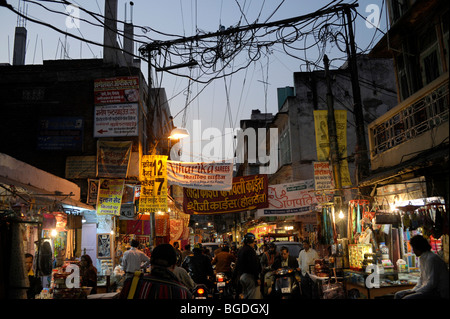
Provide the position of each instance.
(133, 258)
(306, 257)
(433, 280)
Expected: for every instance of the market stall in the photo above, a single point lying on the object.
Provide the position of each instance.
(380, 258)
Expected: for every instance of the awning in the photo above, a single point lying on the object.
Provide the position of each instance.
(437, 156)
(32, 186)
(27, 194)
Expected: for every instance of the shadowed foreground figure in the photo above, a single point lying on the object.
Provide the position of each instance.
(161, 283)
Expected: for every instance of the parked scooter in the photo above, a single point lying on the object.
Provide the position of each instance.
(286, 284)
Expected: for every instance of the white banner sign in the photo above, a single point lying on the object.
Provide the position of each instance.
(206, 176)
(295, 198)
(116, 120)
(322, 176)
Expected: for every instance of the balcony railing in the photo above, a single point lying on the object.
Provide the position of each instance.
(412, 120)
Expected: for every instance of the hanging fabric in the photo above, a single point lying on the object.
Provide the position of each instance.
(349, 224)
(357, 210)
(327, 232)
(333, 221)
(358, 219)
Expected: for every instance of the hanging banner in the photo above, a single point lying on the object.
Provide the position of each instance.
(176, 229)
(247, 193)
(295, 198)
(109, 197)
(153, 177)
(162, 225)
(206, 176)
(113, 158)
(323, 143)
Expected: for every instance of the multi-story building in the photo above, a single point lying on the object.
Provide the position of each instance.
(295, 119)
(411, 140)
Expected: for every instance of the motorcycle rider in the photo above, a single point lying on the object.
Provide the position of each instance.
(223, 261)
(199, 266)
(285, 260)
(267, 259)
(248, 267)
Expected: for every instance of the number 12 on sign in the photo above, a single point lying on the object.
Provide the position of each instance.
(153, 177)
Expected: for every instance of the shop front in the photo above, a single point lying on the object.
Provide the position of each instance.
(380, 258)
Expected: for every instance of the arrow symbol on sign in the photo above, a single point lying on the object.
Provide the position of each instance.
(102, 131)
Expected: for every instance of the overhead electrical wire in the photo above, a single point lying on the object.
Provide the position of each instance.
(217, 57)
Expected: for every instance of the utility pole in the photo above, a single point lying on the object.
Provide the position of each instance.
(361, 156)
(332, 131)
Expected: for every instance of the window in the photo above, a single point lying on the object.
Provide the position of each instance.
(402, 77)
(285, 146)
(430, 63)
(445, 31)
(399, 7)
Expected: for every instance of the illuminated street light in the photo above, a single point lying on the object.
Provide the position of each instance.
(178, 133)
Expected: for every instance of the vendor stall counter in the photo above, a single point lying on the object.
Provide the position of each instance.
(390, 283)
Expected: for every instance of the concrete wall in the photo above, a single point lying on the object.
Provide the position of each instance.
(377, 85)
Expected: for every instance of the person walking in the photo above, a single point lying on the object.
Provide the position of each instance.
(306, 257)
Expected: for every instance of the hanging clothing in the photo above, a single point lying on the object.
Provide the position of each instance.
(358, 219)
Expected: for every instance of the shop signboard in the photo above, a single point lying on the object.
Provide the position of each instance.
(247, 193)
(113, 158)
(206, 176)
(109, 197)
(153, 177)
(295, 198)
(323, 179)
(127, 212)
(60, 133)
(403, 193)
(116, 120)
(123, 89)
(80, 167)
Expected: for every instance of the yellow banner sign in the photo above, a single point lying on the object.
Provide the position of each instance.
(323, 143)
(109, 197)
(153, 177)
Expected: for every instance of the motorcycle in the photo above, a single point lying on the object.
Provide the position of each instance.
(201, 291)
(285, 284)
(223, 287)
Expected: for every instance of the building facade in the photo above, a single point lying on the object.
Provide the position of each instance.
(411, 140)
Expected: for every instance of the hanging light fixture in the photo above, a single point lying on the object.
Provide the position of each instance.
(178, 133)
